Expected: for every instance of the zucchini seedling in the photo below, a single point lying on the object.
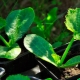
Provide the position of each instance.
(15, 25)
(44, 50)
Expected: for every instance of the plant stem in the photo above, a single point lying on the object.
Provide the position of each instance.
(66, 51)
(4, 41)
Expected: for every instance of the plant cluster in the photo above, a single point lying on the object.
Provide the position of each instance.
(15, 26)
(44, 50)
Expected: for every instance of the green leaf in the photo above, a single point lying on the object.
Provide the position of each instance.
(2, 23)
(48, 79)
(78, 79)
(17, 77)
(72, 62)
(73, 22)
(57, 44)
(10, 53)
(18, 23)
(41, 48)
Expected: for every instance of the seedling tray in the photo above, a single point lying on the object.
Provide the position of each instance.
(22, 63)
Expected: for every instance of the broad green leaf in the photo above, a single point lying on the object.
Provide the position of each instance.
(41, 48)
(73, 22)
(72, 62)
(2, 23)
(10, 53)
(17, 77)
(18, 23)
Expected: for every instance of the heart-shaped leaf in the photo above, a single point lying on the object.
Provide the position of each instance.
(17, 77)
(73, 22)
(72, 62)
(10, 53)
(18, 23)
(2, 23)
(41, 48)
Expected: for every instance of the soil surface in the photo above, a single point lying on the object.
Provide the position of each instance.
(69, 72)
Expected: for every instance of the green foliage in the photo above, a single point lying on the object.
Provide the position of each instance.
(44, 50)
(17, 24)
(48, 79)
(2, 23)
(73, 22)
(17, 77)
(57, 44)
(40, 48)
(78, 79)
(72, 62)
(21, 77)
(44, 27)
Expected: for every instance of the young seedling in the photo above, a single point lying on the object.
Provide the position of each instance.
(44, 27)
(16, 25)
(44, 50)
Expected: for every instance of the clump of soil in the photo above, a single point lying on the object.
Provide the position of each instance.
(69, 72)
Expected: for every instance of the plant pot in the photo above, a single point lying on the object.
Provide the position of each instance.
(42, 75)
(57, 73)
(23, 62)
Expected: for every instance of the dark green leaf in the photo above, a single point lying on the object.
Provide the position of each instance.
(18, 23)
(41, 48)
(73, 22)
(2, 23)
(57, 44)
(17, 77)
(10, 53)
(72, 62)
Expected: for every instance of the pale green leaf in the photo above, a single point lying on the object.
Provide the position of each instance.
(10, 53)
(18, 23)
(41, 48)
(73, 22)
(17, 77)
(72, 62)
